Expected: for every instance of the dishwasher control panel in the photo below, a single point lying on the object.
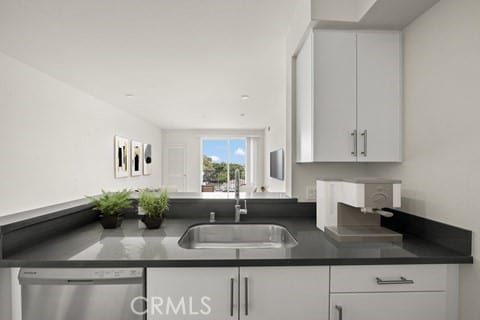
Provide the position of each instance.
(118, 273)
(79, 274)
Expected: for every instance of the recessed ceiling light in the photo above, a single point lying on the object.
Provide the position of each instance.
(242, 114)
(130, 95)
(245, 97)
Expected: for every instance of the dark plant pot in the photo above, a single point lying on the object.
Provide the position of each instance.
(152, 222)
(111, 222)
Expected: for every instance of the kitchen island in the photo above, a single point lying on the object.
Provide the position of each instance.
(317, 278)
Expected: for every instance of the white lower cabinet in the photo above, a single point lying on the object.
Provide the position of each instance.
(393, 292)
(388, 278)
(192, 293)
(284, 293)
(251, 293)
(391, 306)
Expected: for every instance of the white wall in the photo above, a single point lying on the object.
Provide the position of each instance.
(57, 142)
(275, 135)
(191, 139)
(441, 168)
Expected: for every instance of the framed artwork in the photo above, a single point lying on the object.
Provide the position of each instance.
(147, 159)
(122, 157)
(137, 159)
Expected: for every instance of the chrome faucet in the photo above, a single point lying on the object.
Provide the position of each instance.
(238, 211)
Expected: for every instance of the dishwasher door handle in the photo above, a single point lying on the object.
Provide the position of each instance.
(80, 281)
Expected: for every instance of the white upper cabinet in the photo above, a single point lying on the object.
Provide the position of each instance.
(304, 93)
(348, 97)
(379, 96)
(334, 95)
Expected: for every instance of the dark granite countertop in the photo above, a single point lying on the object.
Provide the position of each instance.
(134, 246)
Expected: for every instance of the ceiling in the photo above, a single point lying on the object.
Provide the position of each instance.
(368, 14)
(394, 14)
(186, 62)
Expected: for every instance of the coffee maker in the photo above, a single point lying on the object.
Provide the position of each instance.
(350, 210)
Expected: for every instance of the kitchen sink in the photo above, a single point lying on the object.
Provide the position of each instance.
(237, 236)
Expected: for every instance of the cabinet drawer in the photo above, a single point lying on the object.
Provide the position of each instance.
(391, 306)
(388, 278)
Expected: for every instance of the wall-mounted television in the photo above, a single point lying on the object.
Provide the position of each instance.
(277, 164)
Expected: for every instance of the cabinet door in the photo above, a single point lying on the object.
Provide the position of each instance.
(379, 96)
(304, 105)
(284, 293)
(334, 95)
(192, 293)
(391, 306)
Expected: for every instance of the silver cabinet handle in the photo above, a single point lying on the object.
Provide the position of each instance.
(402, 280)
(365, 141)
(232, 283)
(340, 312)
(246, 296)
(354, 135)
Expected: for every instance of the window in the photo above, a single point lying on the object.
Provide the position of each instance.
(221, 157)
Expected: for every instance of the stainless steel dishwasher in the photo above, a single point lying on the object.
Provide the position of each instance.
(81, 294)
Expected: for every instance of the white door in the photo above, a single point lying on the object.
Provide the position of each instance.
(391, 306)
(334, 95)
(304, 102)
(192, 293)
(176, 168)
(379, 72)
(284, 293)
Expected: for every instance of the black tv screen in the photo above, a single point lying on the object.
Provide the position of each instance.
(276, 164)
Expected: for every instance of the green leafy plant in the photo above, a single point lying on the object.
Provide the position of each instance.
(112, 203)
(153, 203)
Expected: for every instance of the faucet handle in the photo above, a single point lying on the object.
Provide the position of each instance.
(244, 211)
(212, 217)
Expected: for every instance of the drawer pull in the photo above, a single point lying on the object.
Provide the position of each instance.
(340, 312)
(402, 280)
(246, 296)
(232, 283)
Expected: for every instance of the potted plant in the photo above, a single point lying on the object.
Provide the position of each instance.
(111, 206)
(154, 205)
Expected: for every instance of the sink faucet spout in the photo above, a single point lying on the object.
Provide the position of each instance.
(238, 210)
(237, 186)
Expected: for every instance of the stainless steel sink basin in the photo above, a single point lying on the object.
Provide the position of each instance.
(237, 236)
